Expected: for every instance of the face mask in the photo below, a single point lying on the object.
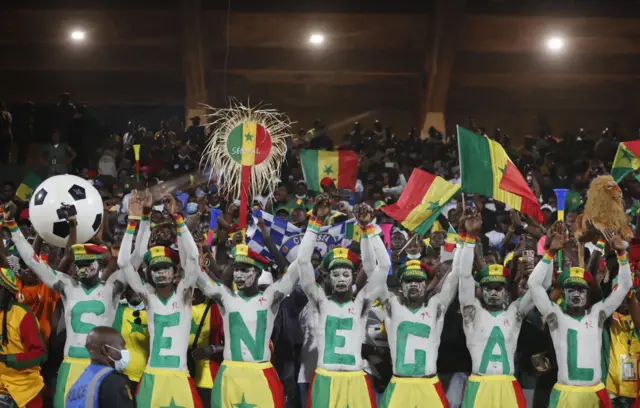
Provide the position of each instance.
(88, 271)
(301, 197)
(122, 363)
(414, 256)
(341, 279)
(576, 297)
(139, 307)
(244, 278)
(414, 290)
(162, 276)
(493, 296)
(192, 208)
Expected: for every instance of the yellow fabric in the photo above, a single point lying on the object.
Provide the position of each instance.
(203, 372)
(348, 388)
(499, 160)
(244, 383)
(328, 165)
(170, 389)
(136, 338)
(493, 391)
(578, 397)
(439, 193)
(24, 384)
(622, 331)
(76, 368)
(412, 392)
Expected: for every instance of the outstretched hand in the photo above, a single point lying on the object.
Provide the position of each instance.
(135, 205)
(556, 238)
(170, 204)
(364, 214)
(472, 221)
(10, 209)
(616, 242)
(322, 206)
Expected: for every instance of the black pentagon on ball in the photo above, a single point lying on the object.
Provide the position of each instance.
(61, 229)
(40, 196)
(96, 222)
(77, 192)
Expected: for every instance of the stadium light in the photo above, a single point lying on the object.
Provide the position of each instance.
(316, 39)
(77, 35)
(555, 44)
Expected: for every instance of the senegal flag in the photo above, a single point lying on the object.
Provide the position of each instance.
(249, 143)
(29, 183)
(486, 169)
(341, 167)
(627, 160)
(421, 201)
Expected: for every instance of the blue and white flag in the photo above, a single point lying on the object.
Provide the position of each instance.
(287, 237)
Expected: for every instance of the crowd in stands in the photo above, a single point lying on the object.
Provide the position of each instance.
(507, 238)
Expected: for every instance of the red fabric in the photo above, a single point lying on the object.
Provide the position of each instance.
(31, 339)
(277, 391)
(513, 182)
(372, 395)
(634, 147)
(263, 144)
(522, 402)
(605, 402)
(216, 336)
(634, 249)
(441, 394)
(313, 377)
(197, 402)
(37, 402)
(412, 195)
(347, 170)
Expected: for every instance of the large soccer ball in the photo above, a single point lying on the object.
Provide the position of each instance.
(71, 190)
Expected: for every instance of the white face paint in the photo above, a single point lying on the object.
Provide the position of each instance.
(244, 276)
(341, 279)
(87, 271)
(162, 276)
(576, 296)
(494, 295)
(414, 290)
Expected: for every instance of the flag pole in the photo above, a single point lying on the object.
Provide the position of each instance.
(244, 196)
(561, 194)
(464, 198)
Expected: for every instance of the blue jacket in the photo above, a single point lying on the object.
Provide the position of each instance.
(84, 393)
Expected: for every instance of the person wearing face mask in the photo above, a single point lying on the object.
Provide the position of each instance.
(131, 322)
(168, 296)
(102, 384)
(22, 350)
(246, 375)
(413, 323)
(576, 327)
(87, 299)
(339, 380)
(491, 326)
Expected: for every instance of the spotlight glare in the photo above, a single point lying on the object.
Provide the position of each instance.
(316, 39)
(77, 35)
(555, 44)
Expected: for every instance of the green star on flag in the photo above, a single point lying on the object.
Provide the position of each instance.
(244, 404)
(137, 328)
(433, 205)
(626, 161)
(173, 404)
(328, 170)
(248, 137)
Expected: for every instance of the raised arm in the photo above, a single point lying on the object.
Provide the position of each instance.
(369, 259)
(377, 281)
(470, 225)
(537, 281)
(525, 304)
(321, 209)
(46, 274)
(188, 252)
(142, 239)
(613, 301)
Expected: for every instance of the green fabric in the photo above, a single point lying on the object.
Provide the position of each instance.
(476, 169)
(386, 397)
(216, 392)
(554, 398)
(605, 350)
(321, 391)
(63, 375)
(572, 201)
(623, 163)
(145, 391)
(470, 392)
(117, 321)
(309, 162)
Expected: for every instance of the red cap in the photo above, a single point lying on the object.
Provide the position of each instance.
(326, 182)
